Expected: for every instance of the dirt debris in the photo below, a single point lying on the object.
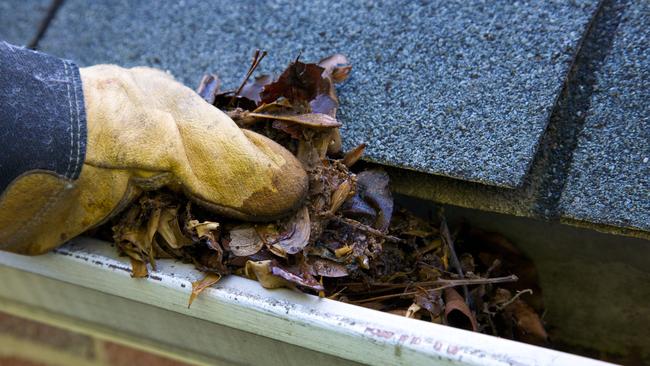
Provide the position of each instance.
(349, 241)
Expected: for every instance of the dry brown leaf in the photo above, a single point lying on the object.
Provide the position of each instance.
(169, 229)
(313, 120)
(297, 236)
(203, 229)
(412, 310)
(344, 229)
(325, 103)
(200, 285)
(342, 251)
(303, 279)
(373, 198)
(336, 67)
(333, 61)
(209, 87)
(261, 271)
(342, 193)
(430, 301)
(352, 156)
(327, 268)
(340, 74)
(529, 325)
(138, 269)
(245, 241)
(253, 89)
(298, 83)
(334, 145)
(433, 245)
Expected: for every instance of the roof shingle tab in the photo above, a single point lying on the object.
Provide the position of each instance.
(609, 179)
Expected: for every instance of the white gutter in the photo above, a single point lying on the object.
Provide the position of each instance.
(326, 326)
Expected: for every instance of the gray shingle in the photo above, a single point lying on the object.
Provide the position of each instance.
(455, 88)
(609, 180)
(19, 19)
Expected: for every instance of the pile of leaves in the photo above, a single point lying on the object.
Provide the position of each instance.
(348, 241)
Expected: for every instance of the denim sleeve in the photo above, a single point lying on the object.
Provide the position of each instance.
(42, 115)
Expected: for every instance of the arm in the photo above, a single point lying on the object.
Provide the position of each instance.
(141, 131)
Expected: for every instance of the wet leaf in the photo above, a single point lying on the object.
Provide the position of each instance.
(200, 285)
(457, 313)
(527, 323)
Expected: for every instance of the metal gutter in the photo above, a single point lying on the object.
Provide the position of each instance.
(319, 326)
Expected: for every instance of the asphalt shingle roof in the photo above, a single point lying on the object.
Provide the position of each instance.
(609, 179)
(455, 88)
(19, 19)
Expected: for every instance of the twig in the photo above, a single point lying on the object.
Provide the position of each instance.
(257, 58)
(444, 284)
(371, 230)
(337, 293)
(495, 264)
(446, 238)
(514, 298)
(461, 282)
(490, 314)
(443, 281)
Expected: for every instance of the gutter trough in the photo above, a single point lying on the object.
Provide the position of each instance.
(236, 321)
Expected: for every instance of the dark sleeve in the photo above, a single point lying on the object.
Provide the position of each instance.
(42, 115)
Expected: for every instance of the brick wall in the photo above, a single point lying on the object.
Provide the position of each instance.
(25, 342)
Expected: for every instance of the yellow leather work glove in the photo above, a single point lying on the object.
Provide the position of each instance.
(145, 131)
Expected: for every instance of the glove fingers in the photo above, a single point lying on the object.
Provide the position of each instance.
(229, 170)
(142, 121)
(280, 183)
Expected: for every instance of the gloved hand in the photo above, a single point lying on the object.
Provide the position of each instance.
(145, 131)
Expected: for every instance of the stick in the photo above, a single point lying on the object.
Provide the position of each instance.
(444, 284)
(446, 238)
(514, 298)
(371, 230)
(257, 58)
